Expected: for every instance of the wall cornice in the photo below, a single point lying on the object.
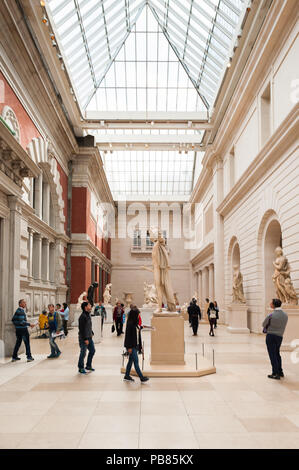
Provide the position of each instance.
(88, 249)
(274, 31)
(204, 253)
(284, 136)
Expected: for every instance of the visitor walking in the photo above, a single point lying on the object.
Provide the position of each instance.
(206, 307)
(55, 325)
(85, 338)
(217, 312)
(101, 311)
(21, 325)
(118, 318)
(274, 326)
(194, 315)
(212, 317)
(133, 345)
(65, 316)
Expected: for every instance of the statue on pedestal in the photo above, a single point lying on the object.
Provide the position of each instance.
(282, 280)
(107, 294)
(238, 293)
(161, 272)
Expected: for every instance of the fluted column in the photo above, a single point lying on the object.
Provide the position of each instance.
(211, 283)
(200, 300)
(45, 260)
(38, 195)
(52, 262)
(37, 257)
(205, 278)
(46, 202)
(30, 252)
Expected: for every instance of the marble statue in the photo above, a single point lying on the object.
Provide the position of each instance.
(161, 272)
(90, 293)
(282, 280)
(82, 298)
(150, 295)
(128, 298)
(107, 294)
(238, 293)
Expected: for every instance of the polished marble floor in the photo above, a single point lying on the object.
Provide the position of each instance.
(47, 404)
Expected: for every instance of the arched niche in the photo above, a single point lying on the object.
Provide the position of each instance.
(272, 239)
(233, 259)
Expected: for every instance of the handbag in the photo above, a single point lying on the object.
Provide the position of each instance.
(212, 314)
(112, 329)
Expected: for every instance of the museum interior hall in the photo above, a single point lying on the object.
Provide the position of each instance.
(149, 163)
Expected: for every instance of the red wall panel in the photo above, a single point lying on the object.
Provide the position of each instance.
(9, 98)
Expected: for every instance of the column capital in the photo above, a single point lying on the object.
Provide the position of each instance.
(37, 236)
(30, 230)
(46, 241)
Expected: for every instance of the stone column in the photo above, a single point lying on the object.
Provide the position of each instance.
(45, 260)
(37, 257)
(96, 268)
(195, 283)
(46, 202)
(14, 256)
(30, 252)
(205, 286)
(218, 233)
(200, 300)
(38, 195)
(211, 283)
(52, 262)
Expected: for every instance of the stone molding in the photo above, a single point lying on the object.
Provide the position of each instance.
(8, 113)
(204, 253)
(38, 150)
(285, 135)
(86, 248)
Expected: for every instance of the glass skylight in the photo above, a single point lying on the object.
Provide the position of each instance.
(149, 173)
(146, 54)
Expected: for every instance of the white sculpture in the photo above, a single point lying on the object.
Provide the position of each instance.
(150, 295)
(81, 299)
(238, 293)
(282, 280)
(161, 272)
(128, 298)
(107, 294)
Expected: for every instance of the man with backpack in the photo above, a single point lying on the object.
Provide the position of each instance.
(118, 318)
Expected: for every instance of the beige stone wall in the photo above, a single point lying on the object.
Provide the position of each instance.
(128, 274)
(260, 160)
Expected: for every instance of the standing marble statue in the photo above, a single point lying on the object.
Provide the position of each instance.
(90, 293)
(238, 293)
(282, 280)
(161, 272)
(107, 294)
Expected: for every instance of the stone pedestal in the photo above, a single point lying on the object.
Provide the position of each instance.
(147, 315)
(96, 328)
(109, 311)
(237, 319)
(167, 340)
(292, 329)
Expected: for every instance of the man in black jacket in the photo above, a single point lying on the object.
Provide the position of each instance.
(85, 338)
(21, 324)
(194, 315)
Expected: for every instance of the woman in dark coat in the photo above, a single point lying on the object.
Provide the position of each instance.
(212, 314)
(133, 345)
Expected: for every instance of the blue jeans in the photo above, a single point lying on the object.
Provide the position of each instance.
(273, 345)
(22, 335)
(54, 348)
(83, 348)
(133, 357)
